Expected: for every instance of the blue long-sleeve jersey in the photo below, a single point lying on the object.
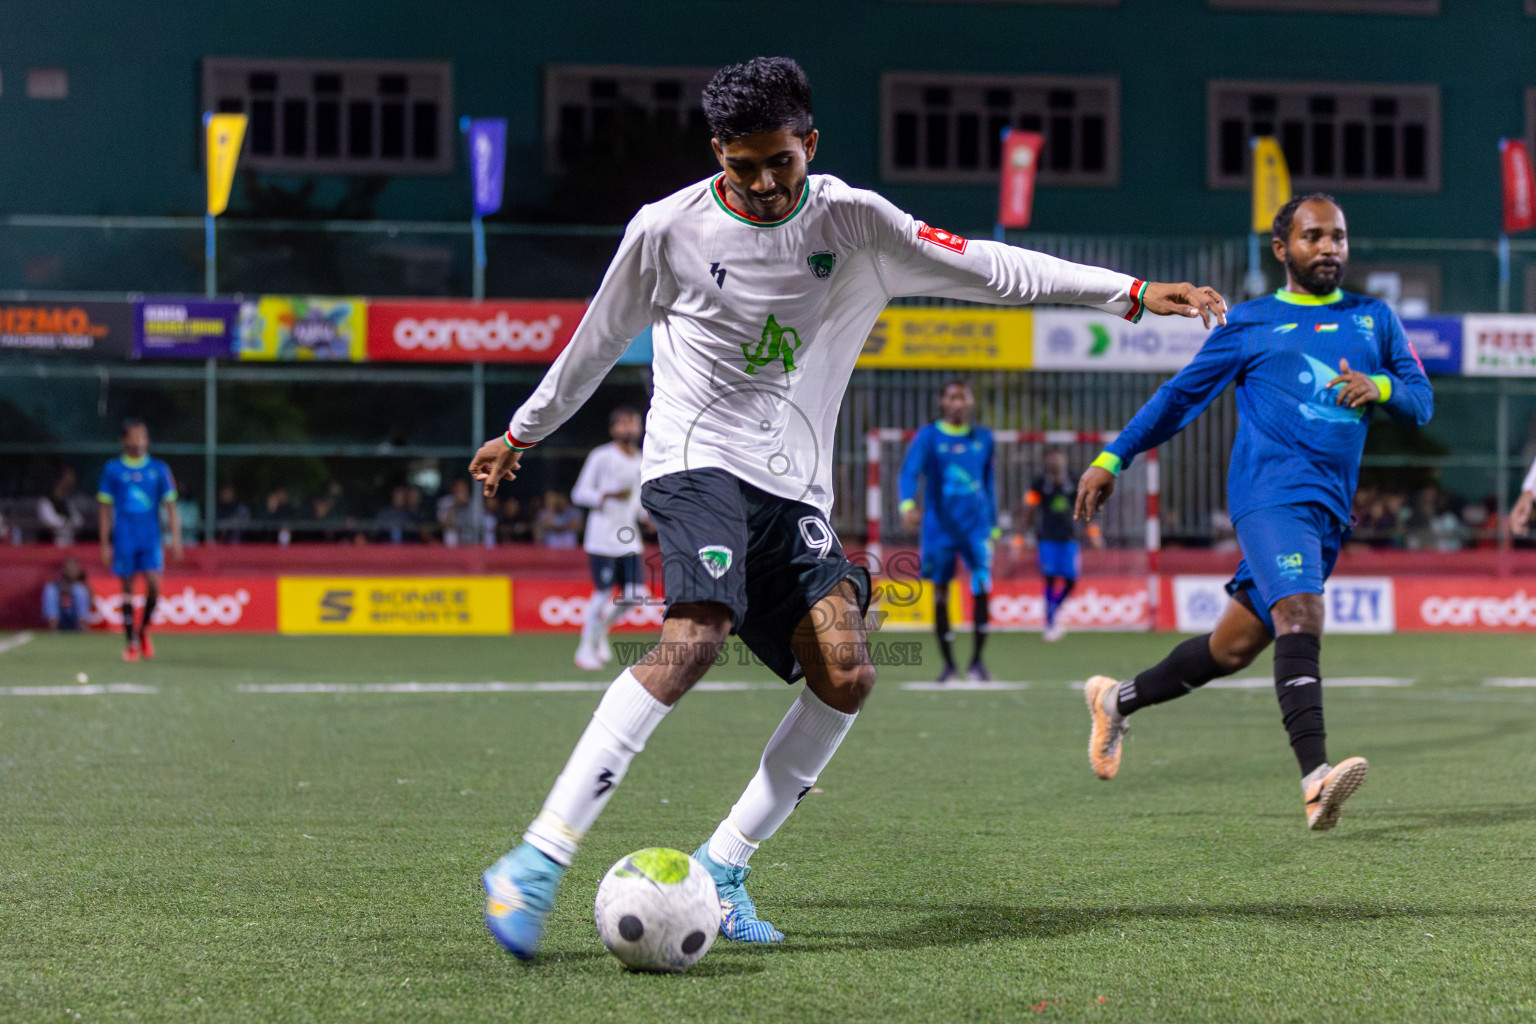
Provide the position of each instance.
(1295, 443)
(959, 495)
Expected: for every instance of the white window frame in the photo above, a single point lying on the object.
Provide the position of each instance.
(1425, 91)
(891, 81)
(426, 80)
(633, 81)
(1414, 7)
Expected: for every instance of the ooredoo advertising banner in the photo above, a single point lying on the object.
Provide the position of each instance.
(406, 605)
(1106, 603)
(472, 332)
(174, 328)
(101, 329)
(1073, 340)
(205, 604)
(302, 329)
(1465, 603)
(561, 605)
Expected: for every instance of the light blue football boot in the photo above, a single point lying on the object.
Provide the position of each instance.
(519, 894)
(738, 915)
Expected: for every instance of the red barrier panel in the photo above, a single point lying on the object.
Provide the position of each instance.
(560, 605)
(205, 605)
(1465, 604)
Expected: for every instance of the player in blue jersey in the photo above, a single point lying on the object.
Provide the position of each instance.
(1310, 363)
(1048, 509)
(953, 457)
(133, 487)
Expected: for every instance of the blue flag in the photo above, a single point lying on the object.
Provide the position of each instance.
(487, 161)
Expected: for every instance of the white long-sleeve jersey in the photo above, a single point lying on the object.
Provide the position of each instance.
(613, 526)
(756, 325)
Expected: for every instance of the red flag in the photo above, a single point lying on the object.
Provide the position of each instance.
(1519, 186)
(1016, 198)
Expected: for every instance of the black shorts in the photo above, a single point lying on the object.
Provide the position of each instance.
(768, 559)
(610, 571)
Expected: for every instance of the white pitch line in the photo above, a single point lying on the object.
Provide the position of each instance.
(1266, 682)
(489, 687)
(964, 685)
(90, 690)
(10, 643)
(1520, 681)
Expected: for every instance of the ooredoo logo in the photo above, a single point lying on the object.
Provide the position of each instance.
(1519, 610)
(187, 608)
(572, 611)
(1090, 609)
(500, 333)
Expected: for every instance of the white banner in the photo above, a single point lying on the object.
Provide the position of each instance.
(1360, 604)
(1495, 346)
(1077, 340)
(1198, 602)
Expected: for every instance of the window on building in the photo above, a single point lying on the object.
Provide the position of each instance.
(1335, 6)
(1351, 136)
(605, 113)
(373, 117)
(948, 128)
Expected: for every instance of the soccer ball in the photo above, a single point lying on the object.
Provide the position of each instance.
(658, 910)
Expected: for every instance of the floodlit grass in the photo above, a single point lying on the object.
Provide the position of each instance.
(203, 853)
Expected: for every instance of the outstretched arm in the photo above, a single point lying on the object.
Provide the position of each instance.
(918, 259)
(911, 472)
(619, 311)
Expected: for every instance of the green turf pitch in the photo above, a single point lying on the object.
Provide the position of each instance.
(208, 853)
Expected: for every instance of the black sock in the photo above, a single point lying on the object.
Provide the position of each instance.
(1187, 666)
(946, 635)
(150, 600)
(128, 617)
(981, 614)
(1299, 685)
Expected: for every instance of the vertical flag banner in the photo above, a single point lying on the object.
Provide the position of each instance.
(1271, 182)
(487, 161)
(1021, 160)
(225, 134)
(1519, 186)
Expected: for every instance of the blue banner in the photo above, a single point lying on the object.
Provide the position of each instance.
(487, 161)
(1437, 340)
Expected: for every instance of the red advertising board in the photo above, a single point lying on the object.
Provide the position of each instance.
(534, 331)
(1463, 604)
(1519, 186)
(1114, 603)
(202, 604)
(1021, 161)
(561, 606)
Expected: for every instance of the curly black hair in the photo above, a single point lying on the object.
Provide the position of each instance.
(1286, 215)
(766, 94)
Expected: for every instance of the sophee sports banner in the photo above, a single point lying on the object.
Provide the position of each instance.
(97, 329)
(942, 338)
(465, 332)
(1076, 340)
(303, 329)
(405, 605)
(176, 328)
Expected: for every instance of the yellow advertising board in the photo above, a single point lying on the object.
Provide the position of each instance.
(403, 605)
(908, 604)
(1271, 182)
(291, 328)
(225, 134)
(949, 338)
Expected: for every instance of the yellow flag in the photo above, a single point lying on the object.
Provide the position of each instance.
(1271, 182)
(225, 133)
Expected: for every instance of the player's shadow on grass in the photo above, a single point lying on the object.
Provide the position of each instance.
(974, 924)
(1429, 819)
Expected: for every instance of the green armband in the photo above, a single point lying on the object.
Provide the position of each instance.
(1385, 384)
(1109, 461)
(908, 505)
(997, 532)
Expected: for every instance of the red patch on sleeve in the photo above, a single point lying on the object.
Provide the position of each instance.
(943, 239)
(1415, 353)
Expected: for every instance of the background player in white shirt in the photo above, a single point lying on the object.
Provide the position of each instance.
(1520, 515)
(609, 485)
(760, 286)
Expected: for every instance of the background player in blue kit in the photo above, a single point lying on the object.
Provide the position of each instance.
(1048, 509)
(958, 517)
(133, 487)
(1309, 363)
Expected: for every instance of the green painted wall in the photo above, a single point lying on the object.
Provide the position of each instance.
(124, 141)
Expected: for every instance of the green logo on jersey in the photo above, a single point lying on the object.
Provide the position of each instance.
(821, 263)
(716, 559)
(776, 343)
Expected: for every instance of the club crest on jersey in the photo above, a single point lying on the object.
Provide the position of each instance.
(941, 238)
(716, 559)
(821, 263)
(1365, 322)
(776, 343)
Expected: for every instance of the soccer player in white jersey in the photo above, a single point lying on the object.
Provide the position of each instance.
(760, 286)
(609, 485)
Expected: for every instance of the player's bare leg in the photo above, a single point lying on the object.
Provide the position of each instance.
(520, 888)
(1239, 638)
(151, 598)
(831, 646)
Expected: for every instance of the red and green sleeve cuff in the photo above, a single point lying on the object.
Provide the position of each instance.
(1138, 301)
(1384, 383)
(1109, 461)
(515, 444)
